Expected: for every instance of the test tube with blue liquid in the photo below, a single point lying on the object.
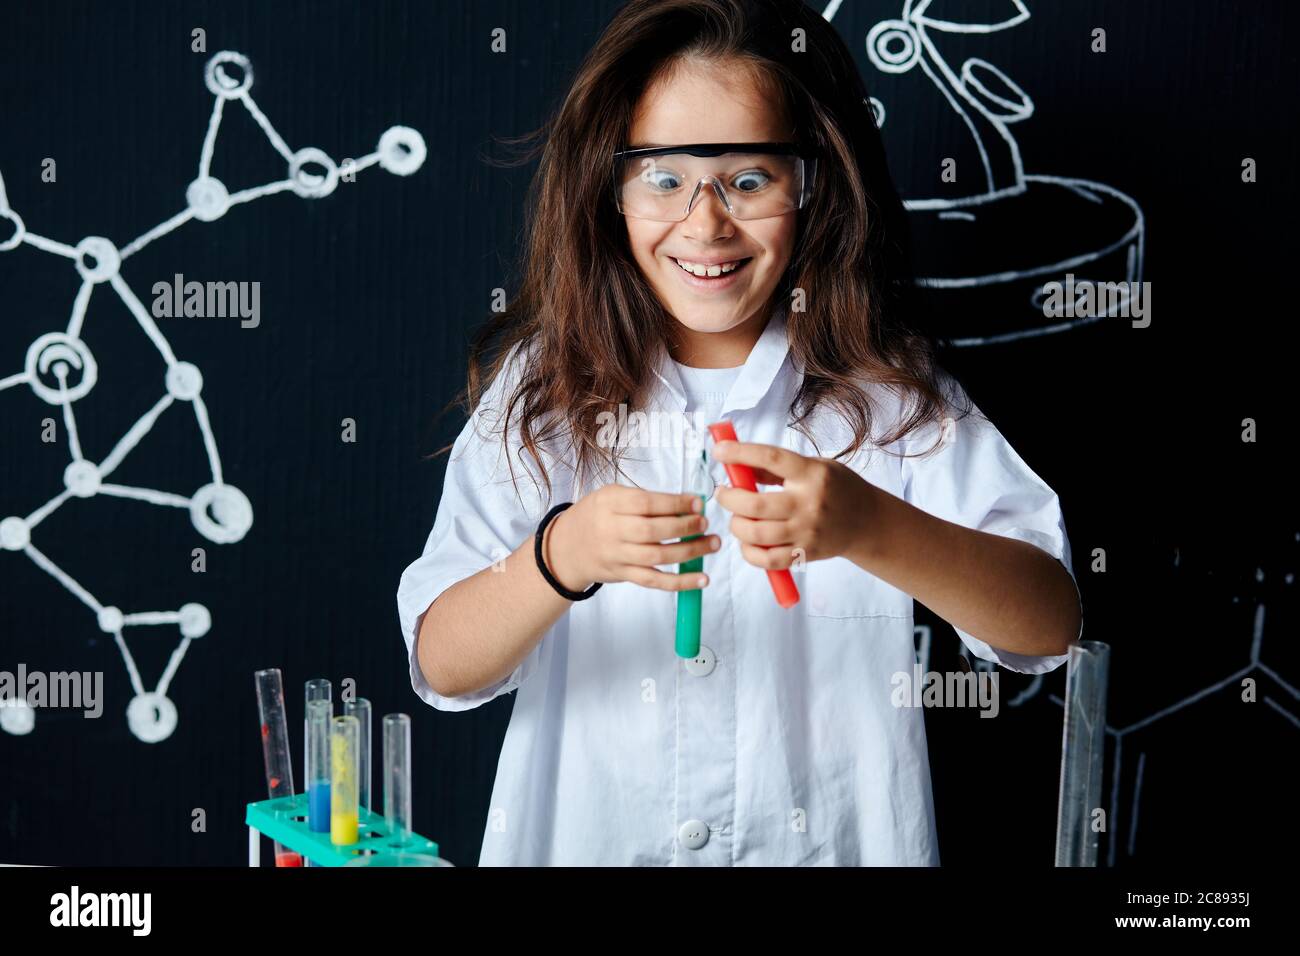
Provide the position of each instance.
(319, 715)
(316, 762)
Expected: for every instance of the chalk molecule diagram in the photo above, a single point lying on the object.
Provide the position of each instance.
(1255, 665)
(1116, 736)
(1074, 225)
(61, 371)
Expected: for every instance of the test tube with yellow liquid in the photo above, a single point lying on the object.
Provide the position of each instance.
(345, 733)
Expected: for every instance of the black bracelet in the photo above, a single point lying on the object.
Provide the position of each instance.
(546, 572)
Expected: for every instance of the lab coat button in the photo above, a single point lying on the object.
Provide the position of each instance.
(702, 664)
(693, 834)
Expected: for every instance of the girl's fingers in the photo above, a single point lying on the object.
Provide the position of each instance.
(764, 533)
(638, 501)
(773, 459)
(651, 554)
(639, 529)
(764, 477)
(757, 504)
(771, 559)
(663, 580)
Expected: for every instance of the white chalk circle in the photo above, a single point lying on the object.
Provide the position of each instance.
(221, 513)
(19, 230)
(52, 349)
(310, 185)
(401, 150)
(208, 198)
(17, 717)
(15, 534)
(184, 381)
(106, 258)
(151, 717)
(892, 45)
(82, 478)
(1012, 110)
(220, 82)
(195, 621)
(110, 620)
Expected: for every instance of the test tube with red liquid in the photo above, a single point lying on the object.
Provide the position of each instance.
(742, 476)
(275, 748)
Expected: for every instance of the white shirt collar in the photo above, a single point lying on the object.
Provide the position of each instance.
(756, 375)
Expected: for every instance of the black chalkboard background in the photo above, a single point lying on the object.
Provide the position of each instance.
(368, 297)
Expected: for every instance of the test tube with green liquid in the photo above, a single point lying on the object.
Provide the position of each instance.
(690, 604)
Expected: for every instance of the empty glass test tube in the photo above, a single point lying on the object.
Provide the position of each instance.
(318, 689)
(1082, 750)
(397, 777)
(360, 709)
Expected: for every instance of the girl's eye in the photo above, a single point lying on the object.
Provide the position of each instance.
(751, 180)
(661, 180)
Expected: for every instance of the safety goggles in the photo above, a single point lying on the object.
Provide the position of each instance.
(752, 180)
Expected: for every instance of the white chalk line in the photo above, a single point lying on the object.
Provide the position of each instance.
(214, 203)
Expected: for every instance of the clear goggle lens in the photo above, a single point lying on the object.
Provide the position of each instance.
(667, 187)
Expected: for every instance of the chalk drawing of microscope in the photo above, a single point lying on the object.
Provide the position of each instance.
(987, 255)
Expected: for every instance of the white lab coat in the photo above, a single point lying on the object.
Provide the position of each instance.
(779, 744)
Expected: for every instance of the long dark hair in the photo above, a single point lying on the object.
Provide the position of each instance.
(590, 322)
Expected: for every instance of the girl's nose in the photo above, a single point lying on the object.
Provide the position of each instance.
(708, 218)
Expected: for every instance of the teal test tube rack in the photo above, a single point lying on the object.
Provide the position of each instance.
(284, 819)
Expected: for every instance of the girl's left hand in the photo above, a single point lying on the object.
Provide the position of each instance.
(825, 508)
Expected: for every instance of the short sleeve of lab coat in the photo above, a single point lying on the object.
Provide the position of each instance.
(482, 517)
(977, 480)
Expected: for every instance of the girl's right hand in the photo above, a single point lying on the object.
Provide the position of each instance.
(615, 534)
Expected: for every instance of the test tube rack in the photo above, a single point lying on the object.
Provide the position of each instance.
(284, 819)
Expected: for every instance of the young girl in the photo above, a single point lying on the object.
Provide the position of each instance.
(715, 236)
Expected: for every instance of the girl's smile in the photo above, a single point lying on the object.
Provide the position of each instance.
(711, 275)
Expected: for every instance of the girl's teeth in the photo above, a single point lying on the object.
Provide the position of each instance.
(696, 268)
